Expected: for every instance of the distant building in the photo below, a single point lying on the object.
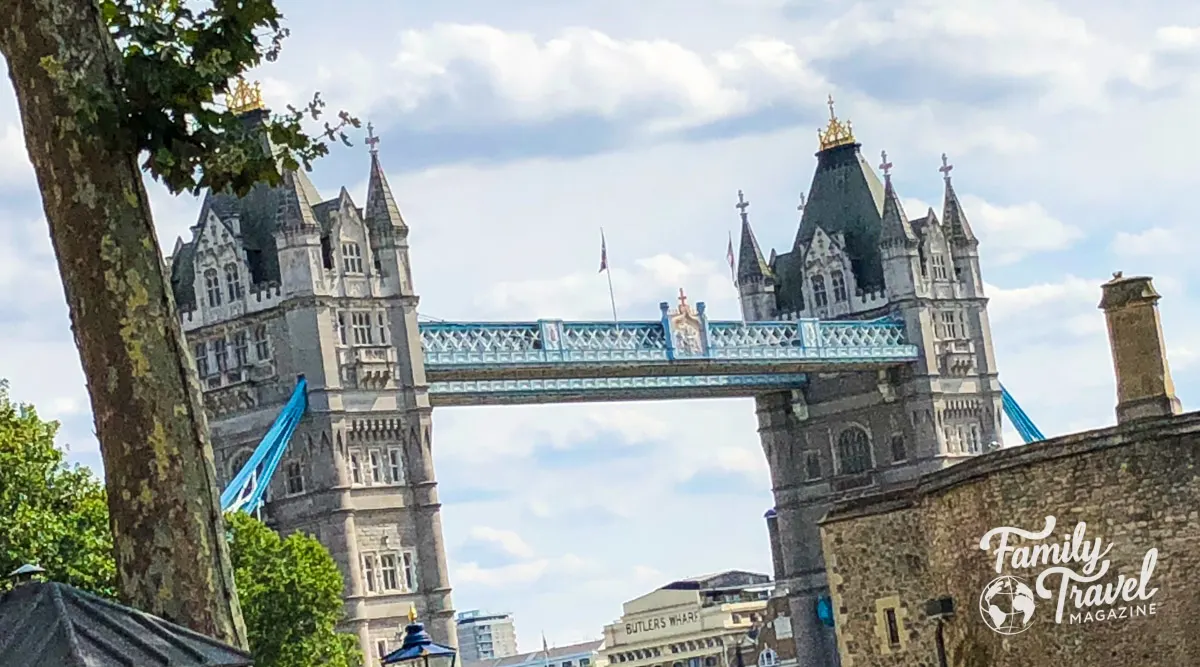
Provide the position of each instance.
(689, 623)
(575, 655)
(484, 636)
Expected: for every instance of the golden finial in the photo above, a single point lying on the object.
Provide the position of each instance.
(836, 133)
(412, 613)
(245, 97)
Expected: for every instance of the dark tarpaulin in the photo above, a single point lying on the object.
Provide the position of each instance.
(54, 625)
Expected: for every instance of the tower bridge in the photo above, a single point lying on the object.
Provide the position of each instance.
(866, 347)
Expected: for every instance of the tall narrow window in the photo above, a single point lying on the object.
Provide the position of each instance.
(388, 567)
(369, 572)
(262, 345)
(893, 626)
(212, 285)
(341, 328)
(812, 465)
(395, 466)
(381, 648)
(376, 468)
(854, 451)
(295, 478)
(351, 258)
(233, 282)
(899, 449)
(379, 317)
(820, 298)
(355, 470)
(939, 267)
(201, 354)
(838, 281)
(220, 349)
(241, 349)
(410, 572)
(360, 326)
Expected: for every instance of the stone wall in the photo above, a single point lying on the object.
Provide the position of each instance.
(1135, 486)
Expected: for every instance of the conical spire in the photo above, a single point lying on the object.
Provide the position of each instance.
(895, 225)
(381, 209)
(751, 265)
(295, 204)
(958, 230)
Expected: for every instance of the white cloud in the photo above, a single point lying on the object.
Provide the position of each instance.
(1014, 232)
(1153, 242)
(508, 541)
(520, 574)
(1051, 297)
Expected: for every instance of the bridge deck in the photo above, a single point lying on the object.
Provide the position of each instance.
(471, 363)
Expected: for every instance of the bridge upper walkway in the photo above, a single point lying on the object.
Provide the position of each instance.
(682, 355)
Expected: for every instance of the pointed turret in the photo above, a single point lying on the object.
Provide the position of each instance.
(958, 230)
(295, 203)
(845, 197)
(895, 228)
(751, 264)
(381, 211)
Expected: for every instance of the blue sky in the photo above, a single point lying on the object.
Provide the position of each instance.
(513, 131)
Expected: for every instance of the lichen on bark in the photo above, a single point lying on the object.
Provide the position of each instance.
(172, 559)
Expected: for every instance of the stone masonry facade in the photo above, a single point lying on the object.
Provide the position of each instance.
(858, 256)
(282, 283)
(1136, 487)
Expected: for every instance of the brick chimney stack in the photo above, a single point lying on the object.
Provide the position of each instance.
(1144, 386)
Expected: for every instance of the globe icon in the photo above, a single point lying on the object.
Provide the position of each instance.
(1007, 605)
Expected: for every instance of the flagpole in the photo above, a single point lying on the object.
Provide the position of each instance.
(612, 299)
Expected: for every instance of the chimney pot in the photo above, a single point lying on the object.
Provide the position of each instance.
(1144, 386)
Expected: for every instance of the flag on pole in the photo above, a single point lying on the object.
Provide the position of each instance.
(730, 258)
(603, 253)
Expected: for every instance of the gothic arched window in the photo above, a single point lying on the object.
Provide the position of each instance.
(233, 282)
(854, 451)
(820, 298)
(838, 281)
(212, 285)
(767, 658)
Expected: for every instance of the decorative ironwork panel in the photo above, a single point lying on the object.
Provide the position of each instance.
(555, 341)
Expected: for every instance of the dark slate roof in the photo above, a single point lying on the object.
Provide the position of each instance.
(788, 268)
(719, 580)
(54, 625)
(537, 657)
(846, 197)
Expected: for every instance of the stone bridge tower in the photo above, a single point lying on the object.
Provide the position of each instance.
(858, 256)
(282, 283)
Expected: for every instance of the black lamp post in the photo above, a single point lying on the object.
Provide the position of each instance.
(418, 649)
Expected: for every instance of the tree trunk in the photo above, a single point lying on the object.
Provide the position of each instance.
(172, 557)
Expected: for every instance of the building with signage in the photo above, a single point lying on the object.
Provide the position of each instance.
(688, 623)
(575, 655)
(484, 636)
(1079, 550)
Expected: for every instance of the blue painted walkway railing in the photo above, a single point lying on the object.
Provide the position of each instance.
(455, 344)
(245, 492)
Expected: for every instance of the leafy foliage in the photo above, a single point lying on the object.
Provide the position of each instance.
(176, 62)
(54, 516)
(291, 595)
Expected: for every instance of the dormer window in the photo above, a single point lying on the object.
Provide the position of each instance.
(820, 298)
(352, 258)
(838, 280)
(212, 285)
(233, 282)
